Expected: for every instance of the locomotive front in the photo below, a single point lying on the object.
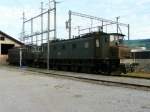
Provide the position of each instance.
(120, 51)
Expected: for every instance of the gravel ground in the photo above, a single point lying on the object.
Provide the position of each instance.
(23, 91)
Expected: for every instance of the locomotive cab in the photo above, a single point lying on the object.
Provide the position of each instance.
(119, 51)
(116, 39)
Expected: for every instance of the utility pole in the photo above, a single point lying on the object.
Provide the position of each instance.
(117, 19)
(55, 21)
(48, 40)
(36, 41)
(70, 19)
(49, 4)
(102, 25)
(128, 32)
(42, 22)
(79, 30)
(23, 28)
(20, 53)
(32, 31)
(91, 25)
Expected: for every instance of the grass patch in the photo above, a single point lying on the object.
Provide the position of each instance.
(139, 75)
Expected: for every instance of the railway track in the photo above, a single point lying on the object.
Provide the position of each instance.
(95, 81)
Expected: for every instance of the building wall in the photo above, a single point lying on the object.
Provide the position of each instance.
(144, 65)
(3, 58)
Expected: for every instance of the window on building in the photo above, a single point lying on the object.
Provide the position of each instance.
(5, 48)
(2, 38)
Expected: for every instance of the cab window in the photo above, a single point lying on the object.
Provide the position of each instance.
(97, 43)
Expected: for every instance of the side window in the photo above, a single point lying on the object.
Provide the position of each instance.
(97, 43)
(74, 46)
(86, 45)
(112, 38)
(63, 47)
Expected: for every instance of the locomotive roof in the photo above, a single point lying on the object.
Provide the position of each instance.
(117, 34)
(87, 35)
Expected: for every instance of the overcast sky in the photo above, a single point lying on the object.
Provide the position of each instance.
(133, 12)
